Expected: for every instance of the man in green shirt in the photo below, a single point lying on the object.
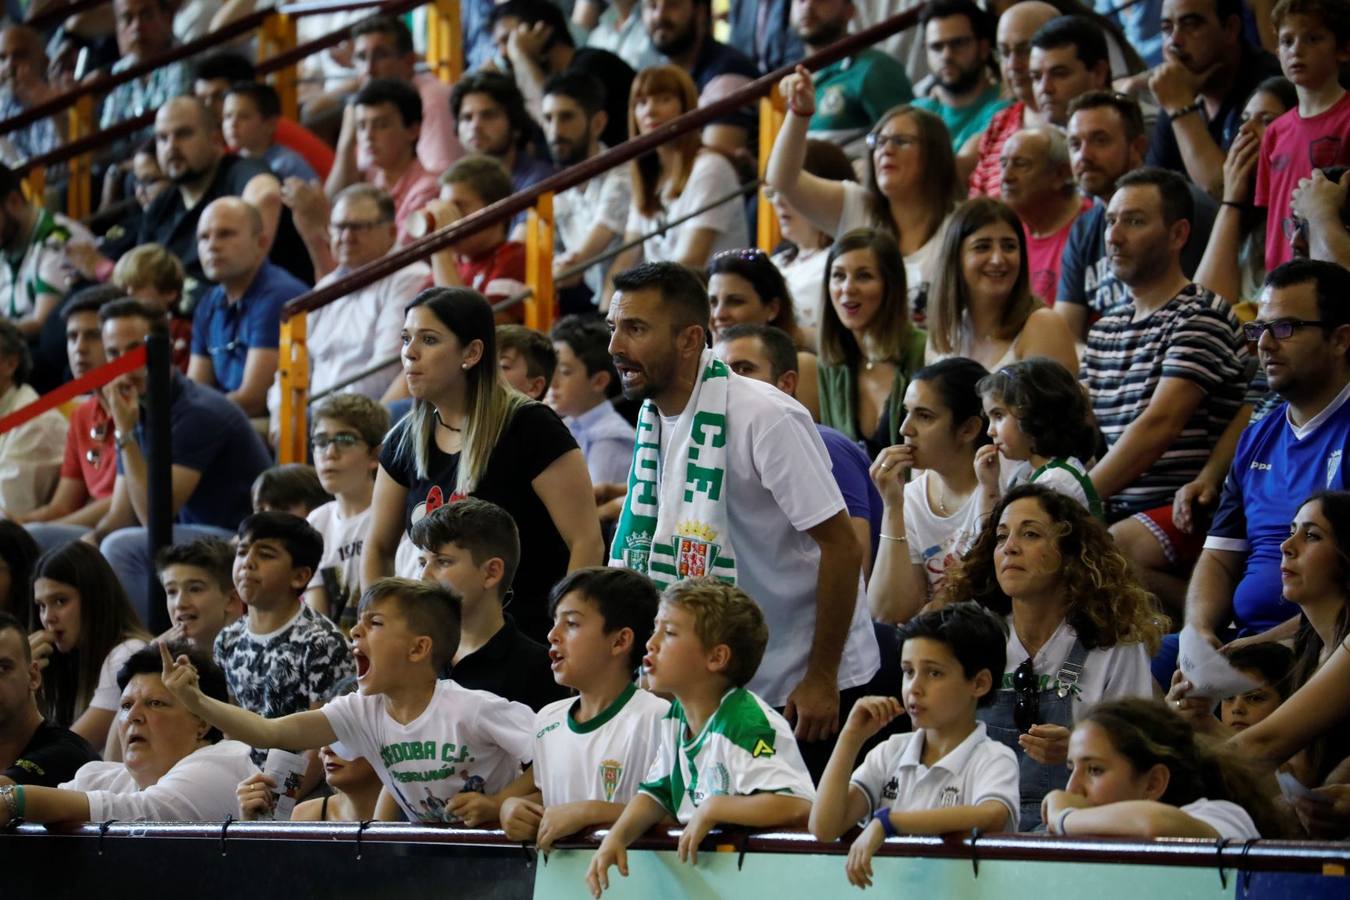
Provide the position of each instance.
(958, 35)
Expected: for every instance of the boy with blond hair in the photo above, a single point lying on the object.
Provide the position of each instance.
(151, 274)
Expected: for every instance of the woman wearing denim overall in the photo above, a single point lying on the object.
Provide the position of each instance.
(1081, 628)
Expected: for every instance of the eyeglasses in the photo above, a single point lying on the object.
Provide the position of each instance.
(343, 442)
(751, 254)
(898, 141)
(339, 227)
(1027, 703)
(1280, 329)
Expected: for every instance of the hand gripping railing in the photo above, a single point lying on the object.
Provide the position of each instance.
(294, 359)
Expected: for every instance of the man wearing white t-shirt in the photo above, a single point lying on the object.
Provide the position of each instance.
(785, 536)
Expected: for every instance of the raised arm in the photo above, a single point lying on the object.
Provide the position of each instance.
(1219, 269)
(820, 200)
(898, 588)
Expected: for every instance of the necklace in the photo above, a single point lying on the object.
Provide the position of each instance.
(942, 496)
(871, 362)
(441, 422)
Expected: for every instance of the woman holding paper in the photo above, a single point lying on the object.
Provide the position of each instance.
(175, 767)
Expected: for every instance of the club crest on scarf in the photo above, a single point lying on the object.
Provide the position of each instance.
(695, 551)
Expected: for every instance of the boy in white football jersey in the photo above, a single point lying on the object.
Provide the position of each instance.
(948, 774)
(440, 750)
(590, 751)
(725, 756)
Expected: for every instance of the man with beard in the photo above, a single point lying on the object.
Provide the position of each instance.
(959, 36)
(1165, 371)
(23, 84)
(33, 240)
(144, 30)
(730, 477)
(681, 31)
(589, 218)
(1203, 87)
(852, 94)
(190, 151)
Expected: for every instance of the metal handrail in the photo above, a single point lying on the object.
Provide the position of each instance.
(584, 171)
(60, 13)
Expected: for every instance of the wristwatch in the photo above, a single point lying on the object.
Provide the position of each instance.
(122, 438)
(1186, 110)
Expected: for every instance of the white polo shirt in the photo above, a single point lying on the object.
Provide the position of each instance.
(979, 769)
(1227, 818)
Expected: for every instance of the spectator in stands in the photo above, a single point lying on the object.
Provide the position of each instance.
(930, 522)
(983, 305)
(590, 218)
(33, 240)
(1037, 184)
(188, 145)
(767, 354)
(1319, 208)
(1107, 140)
(347, 435)
(744, 286)
(292, 488)
(146, 182)
(853, 93)
(532, 36)
(959, 37)
(355, 790)
(468, 433)
(527, 359)
(378, 145)
(153, 275)
(144, 31)
(1139, 771)
(177, 768)
(490, 114)
(18, 552)
(198, 590)
(583, 385)
(30, 453)
(911, 186)
(1269, 665)
(23, 85)
(619, 29)
(82, 629)
(802, 257)
(780, 527)
(1069, 58)
(249, 122)
(1289, 454)
(236, 327)
(1314, 40)
(486, 260)
(1080, 627)
(1016, 27)
(869, 349)
(684, 175)
(361, 328)
(1165, 374)
(1202, 87)
(84, 492)
(215, 454)
(33, 750)
(681, 31)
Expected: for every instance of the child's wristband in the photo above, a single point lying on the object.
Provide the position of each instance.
(883, 816)
(1059, 823)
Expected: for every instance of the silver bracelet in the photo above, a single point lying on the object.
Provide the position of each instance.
(1059, 823)
(899, 539)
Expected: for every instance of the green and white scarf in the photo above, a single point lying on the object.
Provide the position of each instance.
(676, 527)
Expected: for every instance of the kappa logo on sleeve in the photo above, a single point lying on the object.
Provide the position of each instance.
(762, 748)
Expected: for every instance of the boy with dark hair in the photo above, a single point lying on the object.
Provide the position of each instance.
(437, 747)
(199, 589)
(948, 774)
(724, 755)
(591, 751)
(582, 386)
(527, 359)
(282, 657)
(487, 260)
(289, 488)
(472, 548)
(249, 120)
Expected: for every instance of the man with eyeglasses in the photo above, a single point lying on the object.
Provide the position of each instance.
(959, 36)
(1302, 337)
(853, 93)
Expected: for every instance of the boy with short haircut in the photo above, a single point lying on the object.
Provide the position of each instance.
(289, 488)
(948, 774)
(154, 276)
(282, 657)
(347, 434)
(437, 747)
(583, 384)
(725, 756)
(527, 359)
(1271, 666)
(252, 111)
(199, 590)
(1314, 40)
(591, 751)
(472, 548)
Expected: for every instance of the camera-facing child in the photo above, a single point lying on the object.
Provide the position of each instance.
(1271, 666)
(199, 589)
(725, 756)
(583, 384)
(591, 751)
(948, 774)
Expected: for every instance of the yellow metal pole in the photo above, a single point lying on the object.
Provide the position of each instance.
(277, 36)
(445, 43)
(80, 191)
(539, 264)
(294, 365)
(772, 111)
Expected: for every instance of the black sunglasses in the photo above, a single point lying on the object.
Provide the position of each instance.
(1027, 703)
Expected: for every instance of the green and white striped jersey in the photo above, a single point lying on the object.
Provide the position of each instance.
(745, 748)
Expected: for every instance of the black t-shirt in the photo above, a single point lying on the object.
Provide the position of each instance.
(617, 77)
(531, 441)
(51, 757)
(510, 665)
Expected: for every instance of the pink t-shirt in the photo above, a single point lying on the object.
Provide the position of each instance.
(1292, 147)
(1044, 255)
(415, 189)
(987, 178)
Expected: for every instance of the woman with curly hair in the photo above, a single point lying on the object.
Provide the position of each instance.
(1081, 628)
